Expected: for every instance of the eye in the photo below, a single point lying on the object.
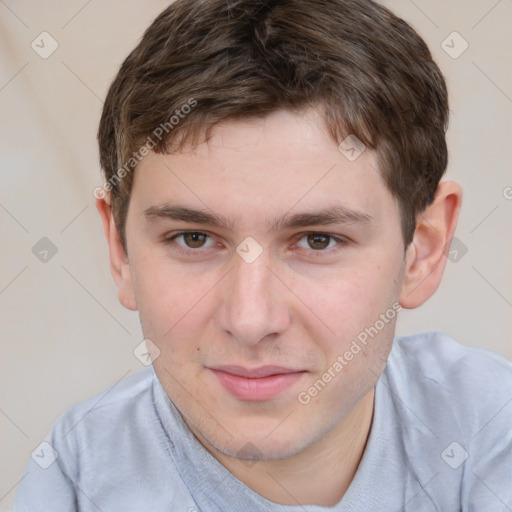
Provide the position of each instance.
(195, 242)
(321, 241)
(192, 241)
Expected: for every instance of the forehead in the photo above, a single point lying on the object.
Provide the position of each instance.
(285, 162)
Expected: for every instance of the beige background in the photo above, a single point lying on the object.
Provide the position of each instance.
(64, 335)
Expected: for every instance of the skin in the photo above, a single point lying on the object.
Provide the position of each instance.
(300, 304)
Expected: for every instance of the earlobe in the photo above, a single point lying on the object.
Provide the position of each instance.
(119, 264)
(426, 255)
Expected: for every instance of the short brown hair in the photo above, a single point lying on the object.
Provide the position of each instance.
(370, 73)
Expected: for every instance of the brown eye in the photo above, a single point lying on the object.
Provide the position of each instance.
(321, 242)
(191, 241)
(318, 241)
(194, 240)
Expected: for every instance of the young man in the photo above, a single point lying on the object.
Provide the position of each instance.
(272, 201)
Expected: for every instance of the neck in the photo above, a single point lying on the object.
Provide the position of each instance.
(320, 474)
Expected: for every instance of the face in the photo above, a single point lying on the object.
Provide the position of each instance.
(259, 302)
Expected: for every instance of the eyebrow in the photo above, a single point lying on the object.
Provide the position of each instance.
(335, 215)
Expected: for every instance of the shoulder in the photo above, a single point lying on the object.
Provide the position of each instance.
(103, 417)
(451, 391)
(456, 389)
(453, 406)
(123, 394)
(433, 359)
(433, 365)
(112, 448)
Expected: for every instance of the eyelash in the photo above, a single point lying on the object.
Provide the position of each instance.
(193, 252)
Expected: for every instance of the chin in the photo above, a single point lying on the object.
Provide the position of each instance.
(259, 442)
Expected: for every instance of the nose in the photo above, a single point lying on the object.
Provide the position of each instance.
(253, 303)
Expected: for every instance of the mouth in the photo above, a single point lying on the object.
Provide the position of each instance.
(256, 384)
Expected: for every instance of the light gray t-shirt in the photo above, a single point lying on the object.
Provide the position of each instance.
(440, 440)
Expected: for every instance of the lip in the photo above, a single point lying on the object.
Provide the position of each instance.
(256, 384)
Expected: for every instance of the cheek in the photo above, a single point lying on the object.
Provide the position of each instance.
(349, 300)
(169, 300)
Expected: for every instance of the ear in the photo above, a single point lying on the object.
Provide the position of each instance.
(426, 255)
(119, 264)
